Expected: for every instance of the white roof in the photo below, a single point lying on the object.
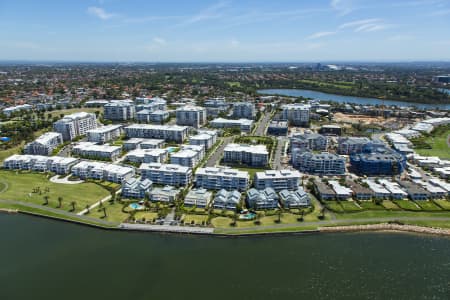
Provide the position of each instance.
(339, 189)
(222, 171)
(144, 152)
(377, 188)
(104, 129)
(256, 149)
(165, 167)
(157, 127)
(112, 168)
(440, 183)
(234, 122)
(184, 154)
(392, 187)
(46, 137)
(270, 174)
(89, 146)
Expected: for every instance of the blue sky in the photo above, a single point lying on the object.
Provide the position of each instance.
(225, 30)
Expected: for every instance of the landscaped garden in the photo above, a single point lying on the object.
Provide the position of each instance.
(36, 188)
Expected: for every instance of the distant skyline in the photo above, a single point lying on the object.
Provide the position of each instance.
(225, 30)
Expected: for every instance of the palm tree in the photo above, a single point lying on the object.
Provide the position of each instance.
(60, 200)
(302, 213)
(46, 200)
(104, 212)
(87, 209)
(279, 216)
(73, 203)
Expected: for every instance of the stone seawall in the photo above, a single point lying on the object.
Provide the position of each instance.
(386, 227)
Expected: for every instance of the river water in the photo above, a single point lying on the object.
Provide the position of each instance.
(347, 99)
(46, 259)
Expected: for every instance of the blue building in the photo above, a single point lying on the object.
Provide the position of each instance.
(379, 160)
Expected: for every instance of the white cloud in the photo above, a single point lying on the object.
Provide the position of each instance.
(159, 41)
(366, 25)
(211, 12)
(99, 13)
(343, 7)
(320, 34)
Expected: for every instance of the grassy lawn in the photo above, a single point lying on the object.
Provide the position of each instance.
(437, 141)
(114, 212)
(388, 204)
(349, 206)
(334, 206)
(391, 214)
(371, 205)
(24, 208)
(146, 215)
(406, 204)
(19, 187)
(7, 153)
(428, 206)
(198, 219)
(445, 204)
(56, 113)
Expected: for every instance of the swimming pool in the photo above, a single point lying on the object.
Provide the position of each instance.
(247, 216)
(172, 149)
(136, 206)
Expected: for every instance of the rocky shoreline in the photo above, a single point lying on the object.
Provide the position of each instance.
(387, 227)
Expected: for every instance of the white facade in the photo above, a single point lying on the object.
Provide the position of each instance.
(104, 134)
(102, 171)
(242, 124)
(170, 133)
(278, 180)
(296, 114)
(222, 178)
(74, 125)
(167, 174)
(92, 150)
(119, 110)
(251, 155)
(44, 144)
(194, 116)
(56, 164)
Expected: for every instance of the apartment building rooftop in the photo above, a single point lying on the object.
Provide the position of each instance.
(255, 149)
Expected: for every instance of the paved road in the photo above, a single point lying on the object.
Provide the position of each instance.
(278, 153)
(260, 130)
(217, 155)
(84, 211)
(60, 212)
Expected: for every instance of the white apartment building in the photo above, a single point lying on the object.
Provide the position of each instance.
(169, 133)
(244, 110)
(102, 171)
(147, 155)
(56, 164)
(104, 134)
(296, 114)
(213, 178)
(242, 124)
(74, 125)
(198, 197)
(139, 143)
(94, 151)
(205, 138)
(44, 144)
(251, 155)
(194, 116)
(119, 110)
(168, 174)
(10, 110)
(278, 180)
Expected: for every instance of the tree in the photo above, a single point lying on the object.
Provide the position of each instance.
(60, 200)
(104, 212)
(73, 204)
(87, 209)
(46, 200)
(302, 213)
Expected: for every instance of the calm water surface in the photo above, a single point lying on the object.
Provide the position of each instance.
(44, 259)
(347, 99)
